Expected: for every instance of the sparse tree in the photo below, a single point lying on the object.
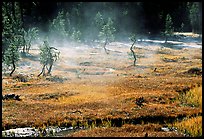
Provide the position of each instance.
(169, 29)
(106, 28)
(134, 40)
(107, 32)
(48, 55)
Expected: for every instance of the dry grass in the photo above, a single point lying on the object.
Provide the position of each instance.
(112, 95)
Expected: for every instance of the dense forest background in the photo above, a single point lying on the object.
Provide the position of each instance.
(23, 21)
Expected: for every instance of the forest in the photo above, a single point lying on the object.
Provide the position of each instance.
(122, 69)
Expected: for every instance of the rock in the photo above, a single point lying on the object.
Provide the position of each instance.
(85, 64)
(11, 96)
(197, 71)
(166, 129)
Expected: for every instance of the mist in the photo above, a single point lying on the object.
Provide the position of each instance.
(72, 29)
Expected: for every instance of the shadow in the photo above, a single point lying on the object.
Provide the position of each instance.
(29, 56)
(174, 46)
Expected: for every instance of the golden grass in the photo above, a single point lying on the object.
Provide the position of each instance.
(193, 97)
(192, 126)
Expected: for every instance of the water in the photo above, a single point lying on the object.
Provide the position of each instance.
(33, 132)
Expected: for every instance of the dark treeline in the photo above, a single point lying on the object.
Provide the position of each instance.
(139, 17)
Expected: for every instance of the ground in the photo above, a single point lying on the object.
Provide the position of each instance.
(99, 91)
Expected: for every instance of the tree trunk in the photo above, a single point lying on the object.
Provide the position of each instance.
(28, 47)
(43, 71)
(50, 69)
(131, 48)
(104, 46)
(14, 67)
(166, 38)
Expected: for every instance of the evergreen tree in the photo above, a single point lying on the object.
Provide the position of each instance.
(12, 33)
(195, 16)
(169, 29)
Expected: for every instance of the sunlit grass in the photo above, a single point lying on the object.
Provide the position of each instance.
(193, 97)
(192, 126)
